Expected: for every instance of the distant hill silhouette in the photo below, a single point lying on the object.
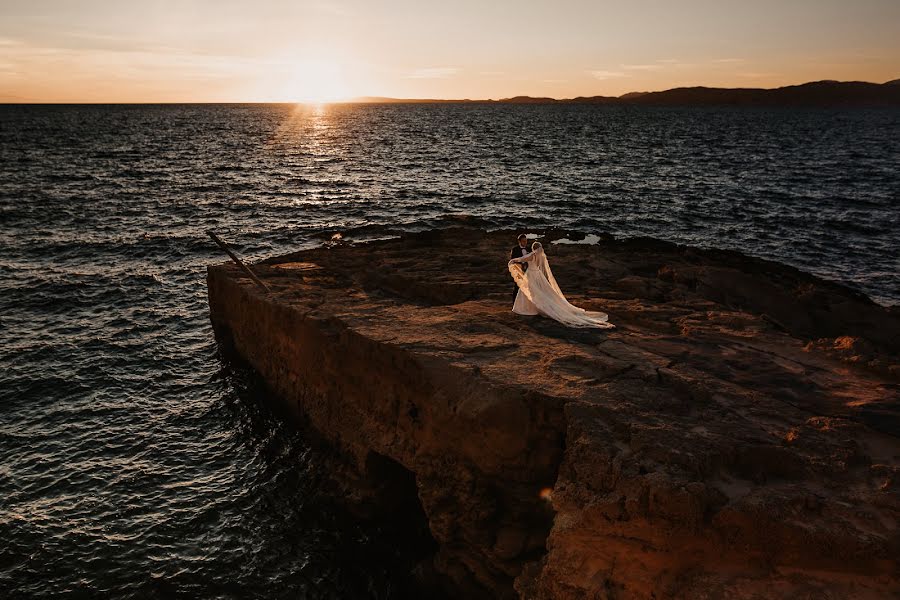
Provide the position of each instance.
(384, 100)
(527, 100)
(817, 93)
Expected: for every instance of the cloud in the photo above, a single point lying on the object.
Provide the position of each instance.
(730, 60)
(651, 67)
(601, 74)
(138, 64)
(432, 73)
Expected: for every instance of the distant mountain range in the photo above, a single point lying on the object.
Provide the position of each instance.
(817, 93)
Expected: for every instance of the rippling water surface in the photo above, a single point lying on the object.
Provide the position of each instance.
(133, 463)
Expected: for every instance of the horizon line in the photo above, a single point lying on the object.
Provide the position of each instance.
(396, 100)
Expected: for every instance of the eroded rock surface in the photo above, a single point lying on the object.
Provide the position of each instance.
(736, 436)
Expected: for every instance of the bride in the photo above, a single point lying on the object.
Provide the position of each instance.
(539, 294)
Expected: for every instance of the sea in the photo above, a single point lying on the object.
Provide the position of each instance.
(138, 462)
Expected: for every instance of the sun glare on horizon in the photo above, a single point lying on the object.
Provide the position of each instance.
(315, 82)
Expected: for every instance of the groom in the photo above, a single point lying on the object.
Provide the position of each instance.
(518, 252)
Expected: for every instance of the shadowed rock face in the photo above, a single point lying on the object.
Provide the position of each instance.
(736, 435)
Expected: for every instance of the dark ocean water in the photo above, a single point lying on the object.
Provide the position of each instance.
(135, 463)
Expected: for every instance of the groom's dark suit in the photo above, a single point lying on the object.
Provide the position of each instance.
(518, 252)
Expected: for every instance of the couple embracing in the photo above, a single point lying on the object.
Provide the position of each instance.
(537, 292)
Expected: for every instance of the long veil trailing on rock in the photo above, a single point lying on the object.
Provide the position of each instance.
(541, 290)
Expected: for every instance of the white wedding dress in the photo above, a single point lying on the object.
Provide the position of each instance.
(539, 294)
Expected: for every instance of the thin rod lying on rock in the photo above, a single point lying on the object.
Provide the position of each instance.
(237, 261)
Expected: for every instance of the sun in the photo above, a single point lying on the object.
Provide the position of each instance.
(315, 82)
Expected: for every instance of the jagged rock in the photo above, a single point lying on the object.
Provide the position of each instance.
(723, 441)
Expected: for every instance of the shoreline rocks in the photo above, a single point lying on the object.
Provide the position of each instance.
(738, 434)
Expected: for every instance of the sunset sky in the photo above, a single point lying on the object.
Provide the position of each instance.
(279, 50)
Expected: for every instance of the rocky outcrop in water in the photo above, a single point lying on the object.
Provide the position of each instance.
(736, 436)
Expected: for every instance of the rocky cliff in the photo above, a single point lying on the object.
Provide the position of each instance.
(736, 436)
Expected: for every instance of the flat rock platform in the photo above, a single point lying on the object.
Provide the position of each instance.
(736, 436)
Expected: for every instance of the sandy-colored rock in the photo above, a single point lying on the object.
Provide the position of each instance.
(737, 436)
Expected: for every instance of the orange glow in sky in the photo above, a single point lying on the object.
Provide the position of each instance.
(323, 50)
